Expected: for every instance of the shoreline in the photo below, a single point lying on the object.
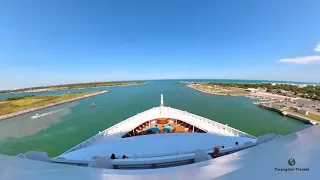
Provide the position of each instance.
(65, 88)
(126, 85)
(261, 105)
(28, 91)
(7, 116)
(285, 112)
(212, 93)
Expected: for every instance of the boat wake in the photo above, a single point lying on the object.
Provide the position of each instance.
(45, 114)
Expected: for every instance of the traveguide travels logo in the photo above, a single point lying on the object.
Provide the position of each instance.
(291, 162)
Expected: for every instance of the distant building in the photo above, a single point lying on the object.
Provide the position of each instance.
(302, 85)
(252, 89)
(304, 112)
(295, 108)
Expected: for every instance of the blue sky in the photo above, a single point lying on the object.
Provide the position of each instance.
(65, 41)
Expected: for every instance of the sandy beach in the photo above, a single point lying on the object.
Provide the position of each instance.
(48, 105)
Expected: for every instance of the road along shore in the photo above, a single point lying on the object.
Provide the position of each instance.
(49, 105)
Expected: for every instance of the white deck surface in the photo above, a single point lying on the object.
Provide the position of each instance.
(167, 112)
(155, 145)
(123, 127)
(254, 163)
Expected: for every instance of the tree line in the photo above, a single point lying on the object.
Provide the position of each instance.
(19, 97)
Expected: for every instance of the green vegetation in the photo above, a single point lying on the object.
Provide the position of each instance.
(310, 92)
(310, 115)
(27, 102)
(222, 90)
(19, 97)
(98, 84)
(236, 91)
(75, 86)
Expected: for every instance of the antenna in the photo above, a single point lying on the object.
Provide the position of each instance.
(161, 101)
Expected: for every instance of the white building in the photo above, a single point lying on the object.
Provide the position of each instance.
(251, 89)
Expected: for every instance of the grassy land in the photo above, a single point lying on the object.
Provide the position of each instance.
(222, 90)
(236, 91)
(99, 84)
(11, 106)
(310, 115)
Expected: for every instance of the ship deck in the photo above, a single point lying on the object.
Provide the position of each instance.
(155, 145)
(182, 122)
(177, 126)
(258, 162)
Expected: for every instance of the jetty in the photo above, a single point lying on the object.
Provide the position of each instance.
(6, 116)
(271, 108)
(284, 111)
(300, 118)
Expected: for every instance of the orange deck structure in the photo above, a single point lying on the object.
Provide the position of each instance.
(178, 126)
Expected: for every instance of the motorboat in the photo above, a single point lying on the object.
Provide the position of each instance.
(35, 116)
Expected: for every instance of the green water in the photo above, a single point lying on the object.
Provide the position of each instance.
(76, 121)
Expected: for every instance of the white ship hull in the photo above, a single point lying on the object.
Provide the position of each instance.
(152, 156)
(124, 139)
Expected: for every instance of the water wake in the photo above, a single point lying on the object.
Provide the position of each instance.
(23, 125)
(44, 114)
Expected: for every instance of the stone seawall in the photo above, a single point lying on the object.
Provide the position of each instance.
(48, 105)
(289, 114)
(302, 119)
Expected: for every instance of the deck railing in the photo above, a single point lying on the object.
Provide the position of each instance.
(223, 151)
(144, 155)
(220, 126)
(105, 132)
(208, 150)
(135, 120)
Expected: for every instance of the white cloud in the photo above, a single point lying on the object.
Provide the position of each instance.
(317, 48)
(301, 60)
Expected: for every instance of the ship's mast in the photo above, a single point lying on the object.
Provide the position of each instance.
(161, 101)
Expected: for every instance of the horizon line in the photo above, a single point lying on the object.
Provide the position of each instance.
(287, 81)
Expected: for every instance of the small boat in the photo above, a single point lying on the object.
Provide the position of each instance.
(93, 105)
(36, 116)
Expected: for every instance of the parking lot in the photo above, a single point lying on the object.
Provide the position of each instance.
(309, 105)
(306, 104)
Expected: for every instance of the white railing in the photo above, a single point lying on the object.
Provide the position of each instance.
(105, 132)
(143, 155)
(136, 120)
(217, 124)
(161, 155)
(208, 150)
